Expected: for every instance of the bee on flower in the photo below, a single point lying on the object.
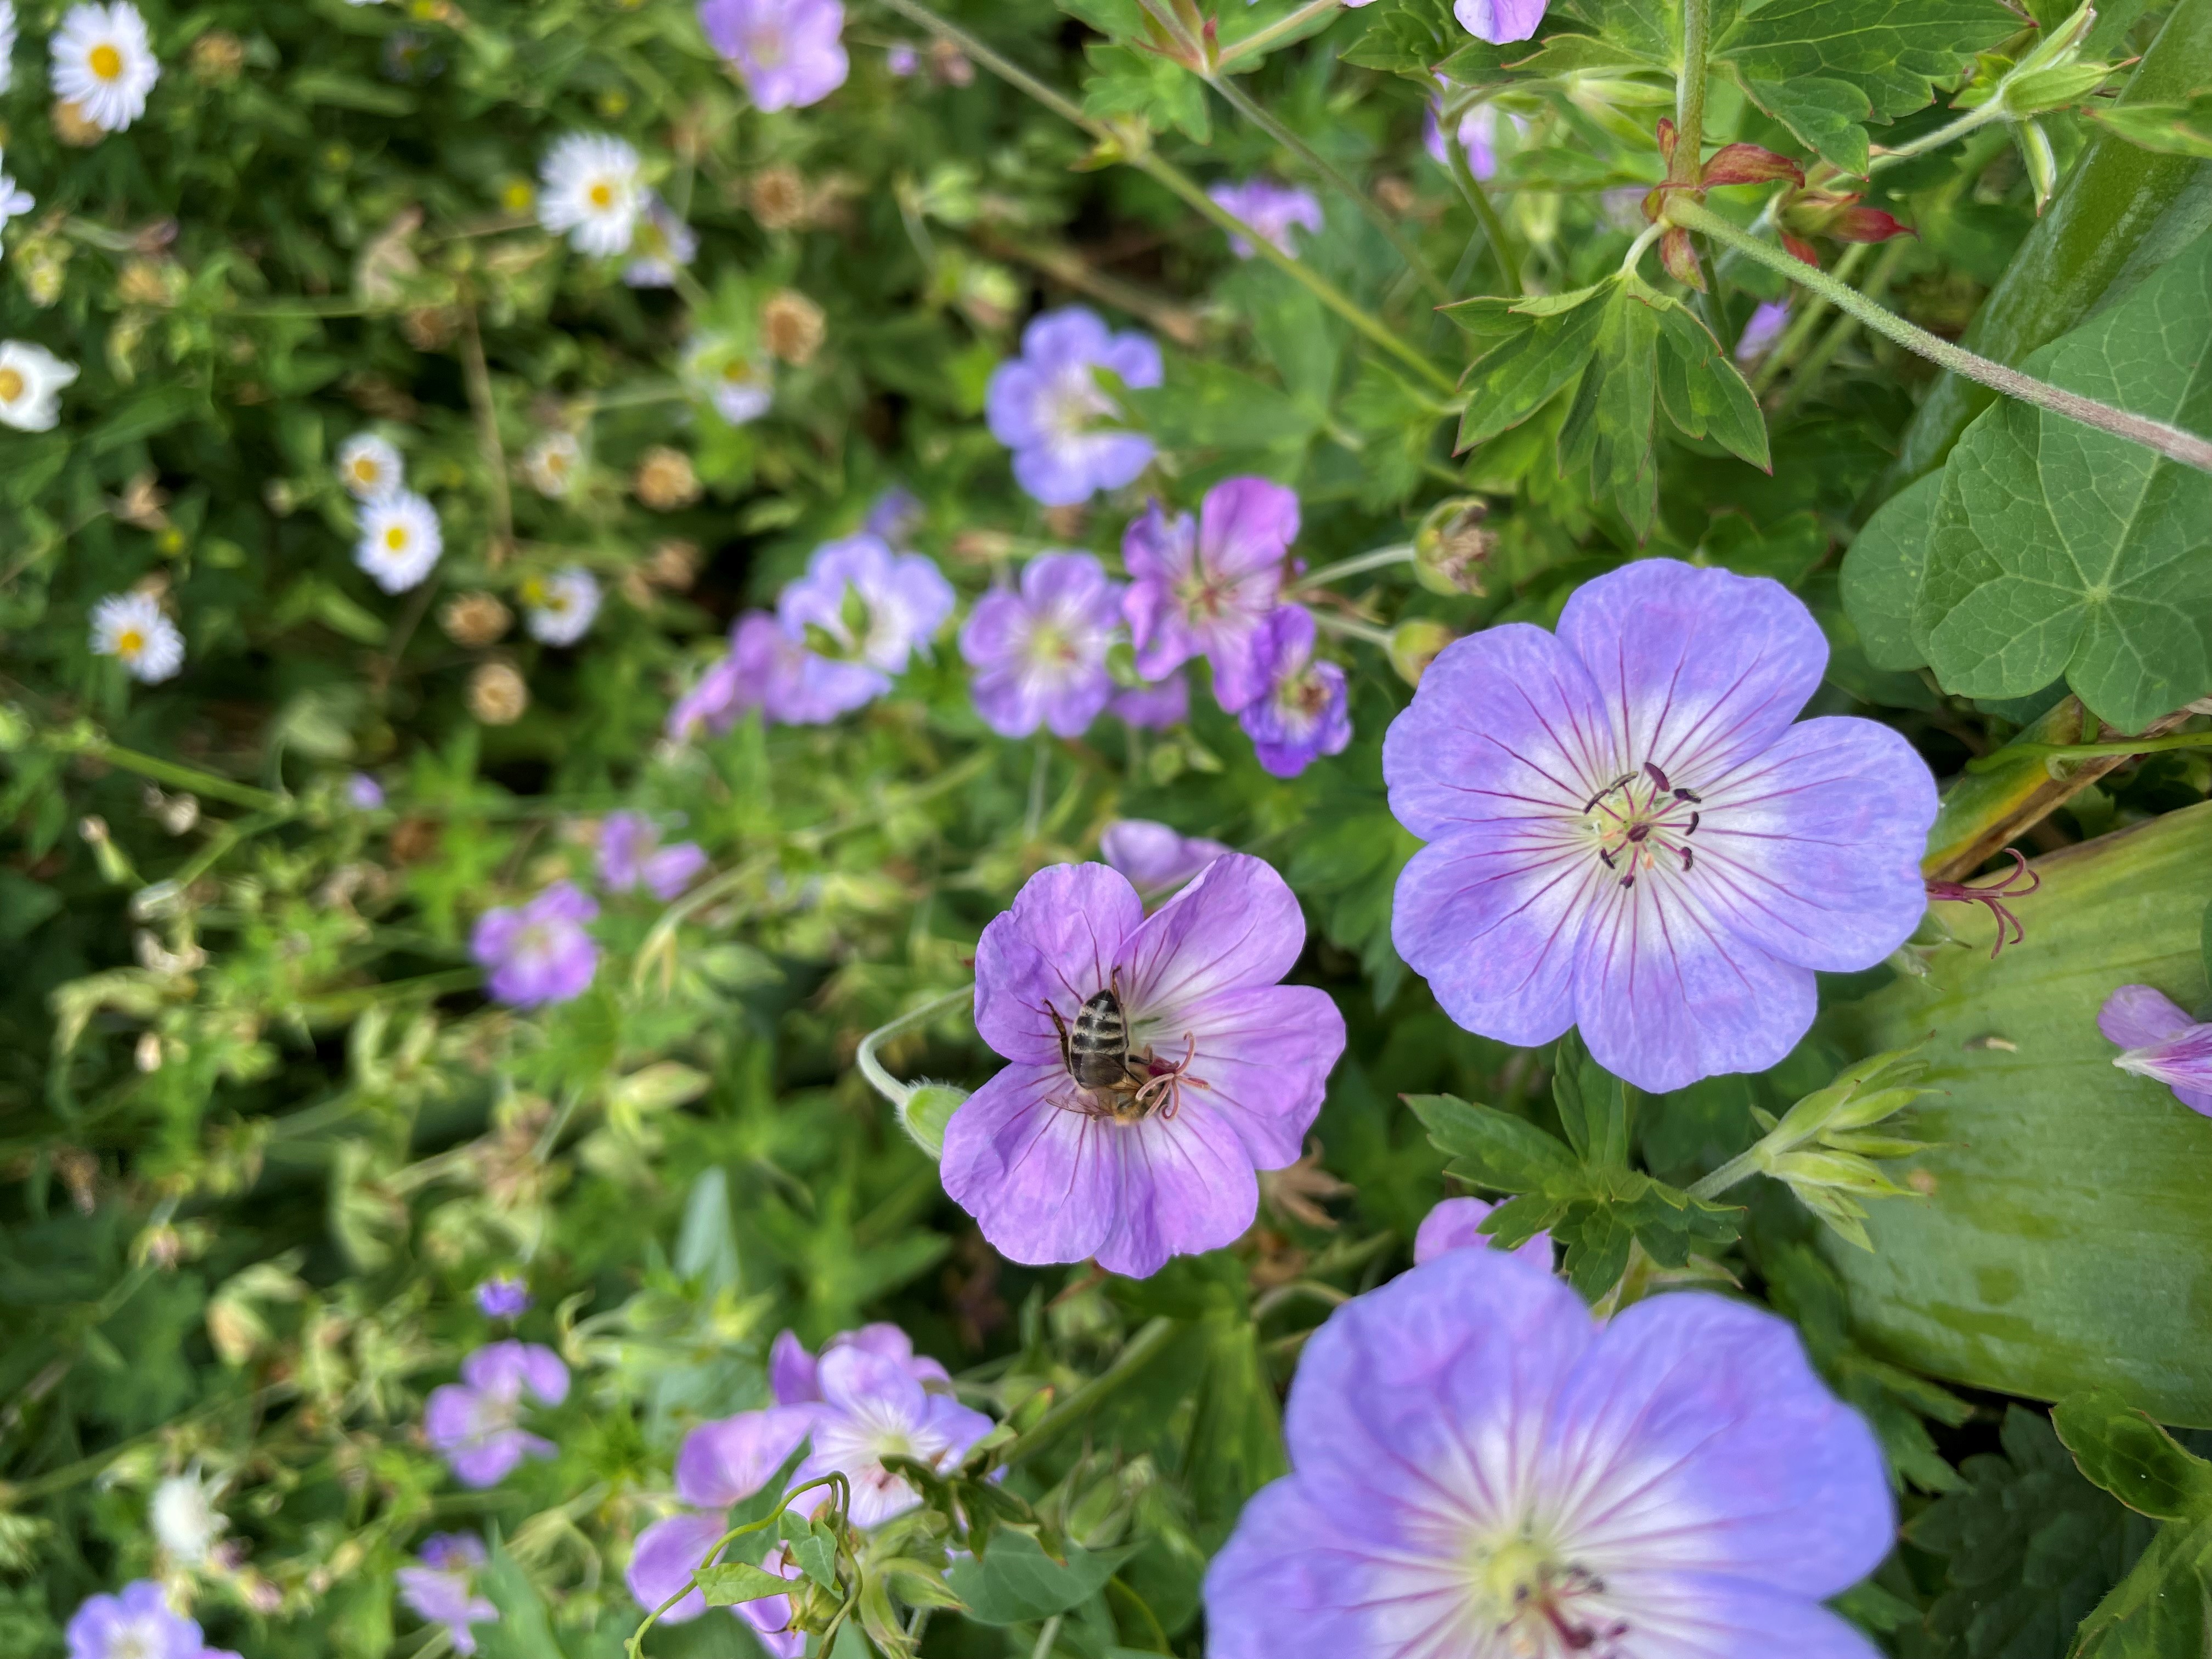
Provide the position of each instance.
(559, 609)
(133, 628)
(103, 64)
(592, 193)
(370, 467)
(400, 540)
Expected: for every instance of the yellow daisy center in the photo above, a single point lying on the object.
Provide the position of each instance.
(601, 195)
(130, 643)
(396, 537)
(11, 385)
(104, 61)
(366, 470)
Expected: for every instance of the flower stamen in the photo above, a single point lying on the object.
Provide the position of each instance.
(1993, 892)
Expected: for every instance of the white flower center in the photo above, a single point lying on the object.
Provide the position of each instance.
(1541, 1608)
(1642, 821)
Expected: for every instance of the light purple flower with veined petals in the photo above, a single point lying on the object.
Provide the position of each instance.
(1153, 856)
(502, 1297)
(1047, 406)
(765, 669)
(864, 611)
(896, 515)
(1762, 330)
(789, 53)
(1627, 833)
(1304, 711)
(794, 1376)
(631, 857)
(139, 1623)
(1039, 653)
(1205, 587)
(440, 1589)
(2162, 1043)
(1456, 1225)
(1156, 706)
(474, 1424)
(874, 1407)
(1235, 1064)
(1480, 1468)
(1499, 22)
(1272, 210)
(538, 953)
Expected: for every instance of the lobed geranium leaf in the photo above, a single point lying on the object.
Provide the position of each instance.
(1157, 90)
(2163, 1608)
(1406, 37)
(2119, 1448)
(1014, 1582)
(1609, 427)
(1524, 360)
(1493, 1148)
(1703, 391)
(2059, 550)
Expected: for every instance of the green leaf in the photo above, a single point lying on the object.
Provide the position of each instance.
(1815, 60)
(1405, 37)
(523, 1629)
(2058, 550)
(1207, 404)
(1015, 1582)
(1524, 360)
(1594, 1106)
(2162, 1609)
(144, 416)
(1160, 93)
(1881, 574)
(2121, 1450)
(1493, 1148)
(1608, 425)
(335, 90)
(733, 1581)
(1703, 391)
(2184, 129)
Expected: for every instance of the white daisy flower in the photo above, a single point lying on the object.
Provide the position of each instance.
(663, 242)
(549, 465)
(592, 193)
(184, 1520)
(560, 607)
(31, 382)
(14, 201)
(370, 466)
(399, 540)
(103, 64)
(133, 628)
(7, 43)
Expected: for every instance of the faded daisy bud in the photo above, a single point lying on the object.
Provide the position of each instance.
(672, 564)
(1452, 546)
(497, 695)
(73, 128)
(791, 326)
(217, 58)
(430, 328)
(475, 620)
(1414, 645)
(664, 480)
(777, 196)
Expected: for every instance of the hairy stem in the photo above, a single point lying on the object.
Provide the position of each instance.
(1690, 92)
(2170, 442)
(1359, 564)
(878, 1078)
(2072, 751)
(174, 773)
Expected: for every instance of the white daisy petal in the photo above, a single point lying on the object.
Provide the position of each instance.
(104, 63)
(592, 193)
(370, 466)
(133, 628)
(560, 608)
(400, 540)
(31, 382)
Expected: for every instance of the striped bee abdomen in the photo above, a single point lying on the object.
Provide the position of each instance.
(1099, 1048)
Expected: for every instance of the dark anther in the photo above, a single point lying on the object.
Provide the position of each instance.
(1692, 830)
(1605, 857)
(1628, 880)
(1639, 832)
(1590, 805)
(1688, 855)
(1691, 796)
(1651, 769)
(1993, 891)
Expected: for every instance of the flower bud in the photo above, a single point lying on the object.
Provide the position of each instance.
(1413, 646)
(1452, 546)
(475, 620)
(927, 1110)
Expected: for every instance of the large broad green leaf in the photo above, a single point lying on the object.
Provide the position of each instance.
(2131, 1457)
(2163, 1608)
(1881, 574)
(1823, 67)
(1015, 1582)
(2067, 1242)
(2059, 550)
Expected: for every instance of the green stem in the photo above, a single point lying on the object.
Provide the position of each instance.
(1803, 326)
(1047, 1637)
(1738, 1170)
(176, 777)
(1290, 141)
(872, 1069)
(1690, 92)
(1274, 31)
(1486, 214)
(1807, 373)
(1970, 121)
(2170, 442)
(1360, 564)
(1142, 1349)
(2067, 751)
(1346, 628)
(1180, 183)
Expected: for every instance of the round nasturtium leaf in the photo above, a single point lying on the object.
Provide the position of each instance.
(2068, 1240)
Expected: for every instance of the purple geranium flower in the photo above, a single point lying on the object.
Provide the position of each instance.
(1499, 22)
(139, 1623)
(502, 1297)
(540, 952)
(1154, 857)
(764, 668)
(1627, 833)
(863, 610)
(1047, 408)
(363, 792)
(472, 1424)
(442, 1589)
(787, 53)
(1763, 329)
(1479, 1468)
(1154, 706)
(2162, 1043)
(631, 857)
(1303, 710)
(873, 1406)
(794, 1376)
(1233, 1062)
(896, 515)
(1456, 1225)
(1039, 653)
(1272, 210)
(1207, 587)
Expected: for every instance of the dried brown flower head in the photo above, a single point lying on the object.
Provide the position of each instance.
(475, 620)
(792, 326)
(497, 694)
(664, 480)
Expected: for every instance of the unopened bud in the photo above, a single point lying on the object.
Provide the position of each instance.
(1414, 645)
(792, 326)
(927, 1110)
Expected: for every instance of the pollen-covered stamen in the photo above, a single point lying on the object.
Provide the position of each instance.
(1547, 1609)
(1640, 819)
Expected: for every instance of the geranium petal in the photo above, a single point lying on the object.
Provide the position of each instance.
(1237, 925)
(1186, 1185)
(1263, 1054)
(1033, 1174)
(1286, 1586)
(1680, 1615)
(1054, 948)
(727, 1461)
(1246, 526)
(2137, 1017)
(1492, 918)
(662, 1563)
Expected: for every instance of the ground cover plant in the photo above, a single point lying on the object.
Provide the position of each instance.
(1312, 827)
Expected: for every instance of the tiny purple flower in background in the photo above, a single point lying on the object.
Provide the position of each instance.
(1046, 405)
(1456, 1225)
(2162, 1043)
(1207, 587)
(1303, 712)
(787, 53)
(721, 1463)
(1154, 707)
(661, 245)
(1762, 330)
(794, 1376)
(1478, 137)
(139, 1623)
(1272, 210)
(1478, 1467)
(1499, 22)
(1154, 857)
(473, 1424)
(440, 1589)
(764, 668)
(873, 608)
(1627, 833)
(1234, 1064)
(896, 515)
(874, 1407)
(1039, 652)
(902, 60)
(631, 857)
(363, 792)
(502, 1297)
(538, 953)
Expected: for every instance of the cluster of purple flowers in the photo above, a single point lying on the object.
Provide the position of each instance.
(441, 1588)
(476, 1423)
(867, 1396)
(139, 1623)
